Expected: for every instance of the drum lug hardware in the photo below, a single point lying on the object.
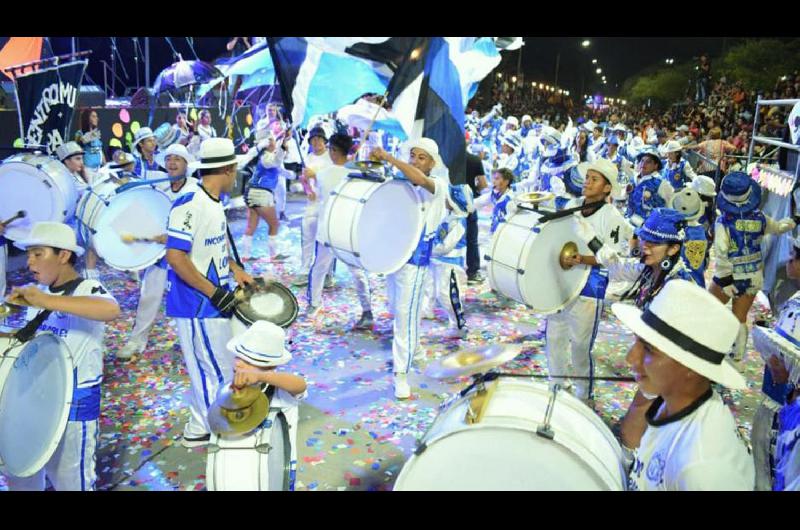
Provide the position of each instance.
(264, 449)
(213, 448)
(487, 257)
(544, 429)
(420, 448)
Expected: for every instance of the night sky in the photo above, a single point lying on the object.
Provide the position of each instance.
(619, 57)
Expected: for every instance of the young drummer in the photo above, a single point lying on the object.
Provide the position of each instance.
(77, 311)
(499, 196)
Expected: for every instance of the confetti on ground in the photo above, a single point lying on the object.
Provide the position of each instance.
(352, 433)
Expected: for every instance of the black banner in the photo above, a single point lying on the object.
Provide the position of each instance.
(46, 100)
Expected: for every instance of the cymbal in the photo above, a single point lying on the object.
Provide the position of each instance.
(8, 309)
(472, 361)
(364, 165)
(238, 411)
(534, 197)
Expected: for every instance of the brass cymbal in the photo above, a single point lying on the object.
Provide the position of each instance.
(8, 309)
(472, 361)
(238, 411)
(569, 250)
(533, 197)
(364, 165)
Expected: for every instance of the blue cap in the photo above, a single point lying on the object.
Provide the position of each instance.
(663, 225)
(738, 193)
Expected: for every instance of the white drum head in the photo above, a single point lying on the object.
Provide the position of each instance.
(36, 383)
(389, 227)
(141, 212)
(25, 187)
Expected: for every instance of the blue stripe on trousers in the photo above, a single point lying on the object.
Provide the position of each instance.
(412, 345)
(200, 367)
(313, 264)
(207, 343)
(598, 312)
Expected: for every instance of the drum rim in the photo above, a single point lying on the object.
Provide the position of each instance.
(110, 261)
(5, 370)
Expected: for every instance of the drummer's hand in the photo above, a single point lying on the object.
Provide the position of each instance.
(161, 239)
(241, 277)
(378, 154)
(31, 295)
(246, 375)
(780, 375)
(2, 229)
(571, 261)
(309, 173)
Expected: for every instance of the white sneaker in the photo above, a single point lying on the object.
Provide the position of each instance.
(129, 350)
(455, 333)
(401, 388)
(199, 441)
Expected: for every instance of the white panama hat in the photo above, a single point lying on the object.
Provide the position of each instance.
(49, 234)
(262, 345)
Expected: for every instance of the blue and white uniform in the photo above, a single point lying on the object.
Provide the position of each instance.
(651, 191)
(154, 279)
(143, 168)
(197, 226)
(787, 449)
(499, 202)
(694, 252)
(448, 266)
(678, 175)
(571, 332)
(308, 228)
(72, 466)
(406, 285)
(261, 189)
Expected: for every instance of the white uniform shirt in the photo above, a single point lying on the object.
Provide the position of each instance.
(197, 226)
(327, 180)
(697, 450)
(317, 163)
(611, 227)
(190, 185)
(83, 337)
(434, 204)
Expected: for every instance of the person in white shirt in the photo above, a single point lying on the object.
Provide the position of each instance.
(77, 312)
(571, 332)
(175, 160)
(315, 161)
(200, 267)
(408, 281)
(327, 180)
(687, 438)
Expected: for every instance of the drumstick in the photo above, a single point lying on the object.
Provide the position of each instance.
(19, 215)
(130, 238)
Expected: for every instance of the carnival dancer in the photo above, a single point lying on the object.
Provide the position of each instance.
(686, 438)
(739, 272)
(328, 178)
(780, 348)
(198, 297)
(144, 143)
(175, 159)
(258, 352)
(695, 248)
(260, 195)
(315, 161)
(553, 173)
(407, 282)
(449, 261)
(90, 139)
(499, 197)
(509, 156)
(650, 190)
(75, 310)
(571, 332)
(706, 188)
(677, 172)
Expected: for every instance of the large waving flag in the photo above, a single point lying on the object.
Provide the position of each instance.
(19, 50)
(317, 75)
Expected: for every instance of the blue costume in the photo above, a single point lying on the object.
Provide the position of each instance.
(695, 252)
(644, 197)
(676, 175)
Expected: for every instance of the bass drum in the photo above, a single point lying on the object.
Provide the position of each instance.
(523, 261)
(372, 225)
(493, 438)
(256, 461)
(36, 383)
(40, 186)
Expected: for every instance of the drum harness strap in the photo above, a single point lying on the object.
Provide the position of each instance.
(27, 333)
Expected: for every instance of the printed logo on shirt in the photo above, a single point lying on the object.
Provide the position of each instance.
(99, 289)
(210, 241)
(187, 221)
(655, 471)
(615, 235)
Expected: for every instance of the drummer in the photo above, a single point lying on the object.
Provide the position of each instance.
(144, 143)
(499, 196)
(571, 332)
(175, 160)
(76, 310)
(407, 282)
(200, 267)
(71, 155)
(687, 438)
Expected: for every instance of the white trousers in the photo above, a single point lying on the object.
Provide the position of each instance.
(409, 284)
(440, 292)
(72, 466)
(308, 237)
(3, 268)
(151, 291)
(323, 260)
(209, 363)
(569, 337)
(280, 195)
(763, 437)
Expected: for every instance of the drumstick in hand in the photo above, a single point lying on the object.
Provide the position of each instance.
(130, 238)
(19, 215)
